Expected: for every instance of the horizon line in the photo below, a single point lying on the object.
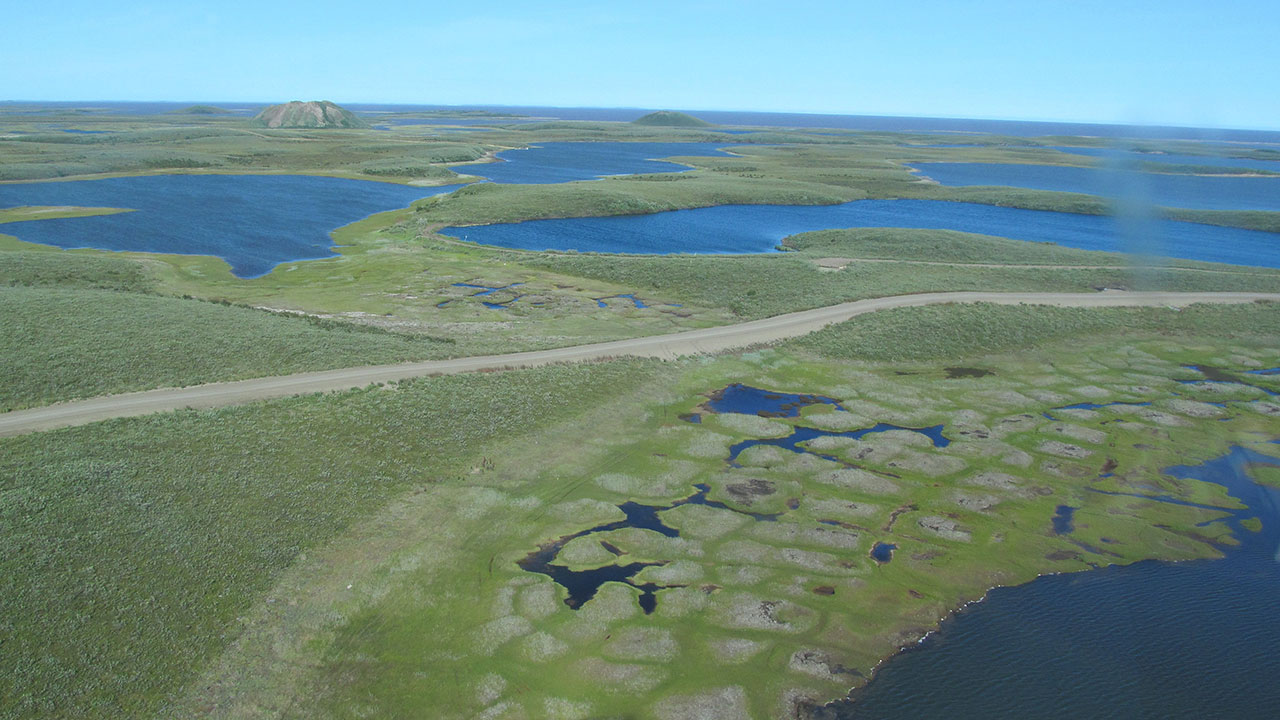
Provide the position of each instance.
(1038, 120)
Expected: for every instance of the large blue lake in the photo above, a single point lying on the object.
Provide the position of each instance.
(1151, 641)
(1180, 191)
(254, 222)
(759, 228)
(558, 162)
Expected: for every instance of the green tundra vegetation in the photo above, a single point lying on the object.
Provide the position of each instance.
(124, 320)
(357, 554)
(106, 341)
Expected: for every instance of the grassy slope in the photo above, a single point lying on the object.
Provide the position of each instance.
(54, 268)
(63, 344)
(758, 286)
(155, 534)
(949, 332)
(70, 341)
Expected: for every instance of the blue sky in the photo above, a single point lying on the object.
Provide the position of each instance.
(1168, 62)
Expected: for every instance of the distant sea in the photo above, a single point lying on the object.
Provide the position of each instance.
(1018, 128)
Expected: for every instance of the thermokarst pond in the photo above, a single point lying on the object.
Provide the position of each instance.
(582, 585)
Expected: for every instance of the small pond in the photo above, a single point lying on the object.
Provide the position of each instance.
(254, 222)
(883, 552)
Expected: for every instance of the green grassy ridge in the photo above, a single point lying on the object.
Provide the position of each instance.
(944, 246)
(1187, 169)
(1261, 220)
(948, 332)
(1025, 199)
(758, 286)
(953, 246)
(156, 534)
(65, 269)
(67, 343)
(487, 203)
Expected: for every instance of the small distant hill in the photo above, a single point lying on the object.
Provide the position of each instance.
(670, 118)
(315, 114)
(203, 110)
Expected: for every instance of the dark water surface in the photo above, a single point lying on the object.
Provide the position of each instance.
(254, 222)
(1151, 641)
(1179, 191)
(739, 398)
(1062, 519)
(582, 585)
(759, 228)
(557, 162)
(883, 552)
